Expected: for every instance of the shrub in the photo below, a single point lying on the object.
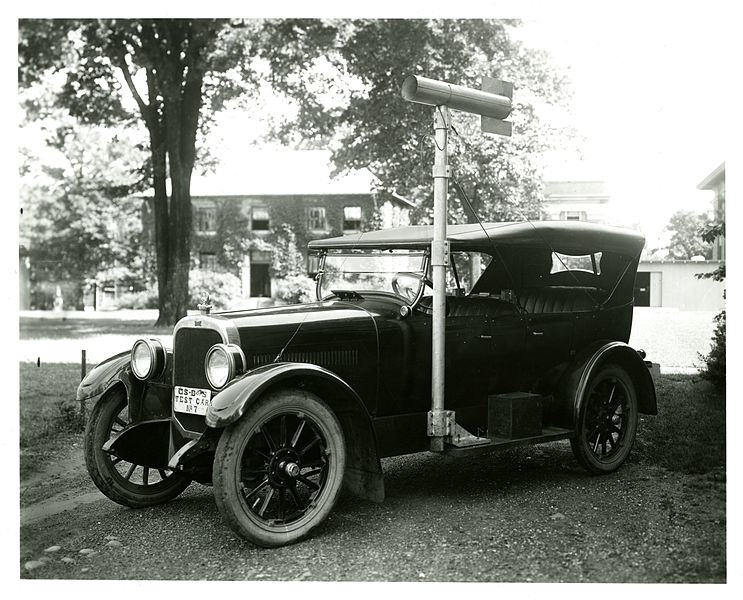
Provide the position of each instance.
(295, 289)
(224, 289)
(714, 369)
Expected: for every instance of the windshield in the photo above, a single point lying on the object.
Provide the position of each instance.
(399, 272)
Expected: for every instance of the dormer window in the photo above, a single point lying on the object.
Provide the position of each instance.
(351, 219)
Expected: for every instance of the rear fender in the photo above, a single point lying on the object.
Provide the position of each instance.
(571, 388)
(363, 470)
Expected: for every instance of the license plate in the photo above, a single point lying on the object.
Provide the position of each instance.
(193, 401)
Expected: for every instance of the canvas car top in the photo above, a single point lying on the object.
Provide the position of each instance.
(568, 237)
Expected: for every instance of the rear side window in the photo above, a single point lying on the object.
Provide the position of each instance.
(588, 263)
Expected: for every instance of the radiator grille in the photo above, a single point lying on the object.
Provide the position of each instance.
(189, 351)
(190, 346)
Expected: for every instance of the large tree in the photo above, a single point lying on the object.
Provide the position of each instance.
(345, 77)
(171, 68)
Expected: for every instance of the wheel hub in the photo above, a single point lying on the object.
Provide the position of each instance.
(291, 469)
(284, 467)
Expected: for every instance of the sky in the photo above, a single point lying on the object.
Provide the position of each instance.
(654, 92)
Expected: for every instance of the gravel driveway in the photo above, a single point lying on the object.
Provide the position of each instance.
(520, 515)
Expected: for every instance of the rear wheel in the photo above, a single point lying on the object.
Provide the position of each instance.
(127, 483)
(607, 421)
(278, 470)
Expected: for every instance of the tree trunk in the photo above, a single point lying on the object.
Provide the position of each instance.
(175, 85)
(162, 228)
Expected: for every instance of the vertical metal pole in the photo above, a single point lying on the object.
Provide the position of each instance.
(439, 260)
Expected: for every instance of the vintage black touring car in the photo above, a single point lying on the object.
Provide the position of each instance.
(280, 408)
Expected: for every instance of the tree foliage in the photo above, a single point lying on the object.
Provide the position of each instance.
(687, 239)
(715, 362)
(79, 221)
(346, 76)
(171, 68)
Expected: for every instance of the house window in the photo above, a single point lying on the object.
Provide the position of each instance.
(206, 219)
(208, 261)
(351, 218)
(575, 215)
(259, 219)
(316, 218)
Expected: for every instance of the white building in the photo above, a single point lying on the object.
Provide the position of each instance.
(659, 283)
(576, 201)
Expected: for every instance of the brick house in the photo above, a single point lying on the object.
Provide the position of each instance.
(271, 188)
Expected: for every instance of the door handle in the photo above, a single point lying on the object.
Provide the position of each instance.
(537, 332)
(486, 337)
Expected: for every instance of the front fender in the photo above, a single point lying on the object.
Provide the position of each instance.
(363, 475)
(147, 400)
(231, 403)
(104, 375)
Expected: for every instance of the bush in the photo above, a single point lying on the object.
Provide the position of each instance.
(224, 289)
(136, 300)
(714, 369)
(295, 289)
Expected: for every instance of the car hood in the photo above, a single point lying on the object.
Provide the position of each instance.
(332, 324)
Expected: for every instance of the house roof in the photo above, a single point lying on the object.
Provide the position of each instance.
(713, 179)
(569, 237)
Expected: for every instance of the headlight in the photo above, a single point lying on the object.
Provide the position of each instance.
(148, 358)
(223, 362)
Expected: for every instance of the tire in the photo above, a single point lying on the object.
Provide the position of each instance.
(124, 482)
(278, 471)
(607, 421)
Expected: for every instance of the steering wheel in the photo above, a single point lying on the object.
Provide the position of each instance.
(397, 287)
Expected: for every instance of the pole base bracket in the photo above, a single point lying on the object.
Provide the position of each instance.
(440, 423)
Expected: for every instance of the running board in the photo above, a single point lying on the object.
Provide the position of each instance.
(465, 444)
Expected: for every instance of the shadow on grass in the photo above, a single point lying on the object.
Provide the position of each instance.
(31, 328)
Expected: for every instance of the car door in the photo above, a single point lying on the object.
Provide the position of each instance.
(485, 342)
(549, 330)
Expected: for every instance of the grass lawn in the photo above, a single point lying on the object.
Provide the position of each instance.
(48, 410)
(688, 433)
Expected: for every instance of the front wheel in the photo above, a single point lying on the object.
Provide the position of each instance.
(607, 421)
(127, 483)
(278, 470)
